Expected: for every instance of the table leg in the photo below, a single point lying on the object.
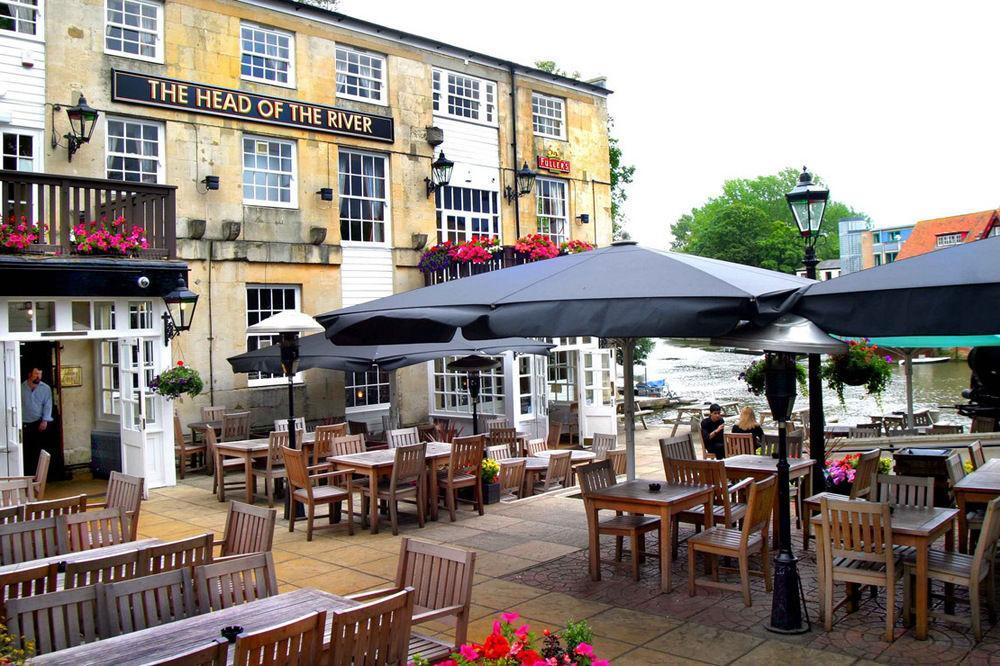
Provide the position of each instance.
(949, 588)
(220, 478)
(820, 569)
(963, 524)
(248, 472)
(434, 490)
(594, 541)
(666, 547)
(373, 508)
(921, 592)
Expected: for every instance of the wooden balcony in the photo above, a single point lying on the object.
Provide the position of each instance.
(62, 202)
(501, 260)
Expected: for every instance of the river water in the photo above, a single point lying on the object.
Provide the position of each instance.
(703, 373)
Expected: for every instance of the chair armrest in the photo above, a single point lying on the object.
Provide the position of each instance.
(97, 505)
(17, 478)
(741, 487)
(372, 594)
(427, 616)
(347, 473)
(313, 468)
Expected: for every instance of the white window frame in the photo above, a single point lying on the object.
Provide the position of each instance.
(293, 201)
(108, 365)
(452, 387)
(157, 34)
(486, 97)
(562, 367)
(442, 194)
(274, 380)
(39, 21)
(281, 34)
(994, 231)
(370, 379)
(949, 240)
(383, 81)
(160, 145)
(539, 199)
(541, 103)
(36, 146)
(348, 198)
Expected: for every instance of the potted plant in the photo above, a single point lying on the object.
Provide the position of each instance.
(861, 365)
(177, 381)
(9, 653)
(574, 247)
(754, 375)
(491, 487)
(436, 258)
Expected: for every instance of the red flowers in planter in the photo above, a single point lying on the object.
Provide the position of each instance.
(103, 237)
(17, 234)
(478, 250)
(536, 246)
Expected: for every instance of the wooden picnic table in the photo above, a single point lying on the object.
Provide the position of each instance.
(248, 450)
(760, 468)
(636, 497)
(917, 528)
(79, 556)
(379, 464)
(978, 487)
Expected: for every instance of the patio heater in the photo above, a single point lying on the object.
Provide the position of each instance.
(473, 365)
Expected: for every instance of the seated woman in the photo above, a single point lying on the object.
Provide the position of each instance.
(747, 423)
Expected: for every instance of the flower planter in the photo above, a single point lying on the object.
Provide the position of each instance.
(491, 493)
(855, 376)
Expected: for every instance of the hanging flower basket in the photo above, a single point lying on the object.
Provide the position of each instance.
(861, 365)
(177, 381)
(754, 374)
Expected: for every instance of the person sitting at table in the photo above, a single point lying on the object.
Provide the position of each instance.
(712, 432)
(747, 423)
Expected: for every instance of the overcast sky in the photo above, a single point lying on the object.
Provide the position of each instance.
(895, 104)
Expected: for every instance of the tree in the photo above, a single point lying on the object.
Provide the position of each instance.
(643, 348)
(750, 223)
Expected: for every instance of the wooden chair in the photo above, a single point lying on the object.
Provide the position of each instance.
(271, 468)
(738, 544)
(374, 633)
(739, 444)
(27, 581)
(347, 445)
(29, 540)
(601, 444)
(140, 603)
(235, 426)
(503, 436)
(441, 579)
(680, 447)
(389, 423)
(535, 446)
(464, 471)
(92, 529)
(213, 413)
(11, 514)
(729, 503)
(909, 491)
(618, 460)
(407, 482)
(222, 465)
(249, 529)
(983, 424)
(865, 431)
(511, 476)
(281, 425)
(555, 435)
(295, 643)
(42, 473)
(427, 432)
(947, 429)
(862, 488)
(496, 422)
(323, 444)
(17, 490)
(302, 480)
(186, 450)
(55, 507)
(498, 452)
(793, 441)
(235, 581)
(402, 437)
(858, 551)
(974, 514)
(215, 653)
(599, 476)
(557, 474)
(970, 571)
(124, 492)
(105, 569)
(54, 621)
(358, 428)
(183, 553)
(976, 454)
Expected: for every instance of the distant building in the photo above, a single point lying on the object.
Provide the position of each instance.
(852, 232)
(930, 235)
(862, 247)
(886, 244)
(825, 270)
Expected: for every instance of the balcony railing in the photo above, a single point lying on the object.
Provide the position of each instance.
(500, 260)
(62, 202)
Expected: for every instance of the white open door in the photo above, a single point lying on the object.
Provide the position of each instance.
(10, 397)
(597, 406)
(132, 362)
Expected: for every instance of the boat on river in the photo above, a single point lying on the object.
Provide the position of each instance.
(926, 359)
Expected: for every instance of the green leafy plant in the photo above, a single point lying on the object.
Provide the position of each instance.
(884, 465)
(177, 381)
(576, 633)
(491, 468)
(754, 375)
(861, 365)
(10, 653)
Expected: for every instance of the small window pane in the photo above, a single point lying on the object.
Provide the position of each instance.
(81, 315)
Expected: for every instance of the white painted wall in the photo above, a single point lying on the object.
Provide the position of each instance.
(365, 274)
(22, 82)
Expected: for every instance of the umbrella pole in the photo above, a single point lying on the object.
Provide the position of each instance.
(394, 399)
(628, 357)
(908, 371)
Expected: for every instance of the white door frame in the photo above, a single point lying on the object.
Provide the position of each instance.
(10, 396)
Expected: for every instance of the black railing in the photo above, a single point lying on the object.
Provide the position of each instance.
(500, 260)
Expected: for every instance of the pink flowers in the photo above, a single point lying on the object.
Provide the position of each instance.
(478, 250)
(102, 237)
(18, 234)
(575, 247)
(843, 471)
(536, 246)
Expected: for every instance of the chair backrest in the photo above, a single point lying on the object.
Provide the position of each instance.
(503, 435)
(28, 540)
(11, 514)
(179, 440)
(235, 581)
(55, 507)
(125, 492)
(441, 576)
(402, 437)
(347, 445)
(297, 470)
(680, 447)
(42, 473)
(858, 530)
(357, 427)
(976, 454)
(956, 470)
(215, 653)
(511, 475)
(106, 569)
(922, 417)
(277, 440)
(281, 425)
(796, 441)
(235, 426)
(428, 432)
(555, 434)
(759, 507)
(865, 431)
(986, 547)
(323, 444)
(909, 491)
(595, 477)
(410, 464)
(54, 621)
(297, 642)
(603, 443)
(213, 413)
(17, 491)
(249, 529)
(389, 423)
(703, 473)
(375, 633)
(618, 460)
(534, 446)
(865, 473)
(496, 423)
(947, 429)
(140, 603)
(498, 452)
(27, 581)
(191, 552)
(983, 424)
(739, 444)
(466, 456)
(769, 445)
(558, 471)
(92, 529)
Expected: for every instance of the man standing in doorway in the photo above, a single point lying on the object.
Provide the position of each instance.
(36, 408)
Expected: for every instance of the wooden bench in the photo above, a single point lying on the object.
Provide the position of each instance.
(640, 414)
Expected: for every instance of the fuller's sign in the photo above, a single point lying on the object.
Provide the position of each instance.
(553, 164)
(184, 96)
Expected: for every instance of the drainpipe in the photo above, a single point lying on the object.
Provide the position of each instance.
(513, 143)
(211, 331)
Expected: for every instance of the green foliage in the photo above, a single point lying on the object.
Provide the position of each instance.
(177, 381)
(749, 223)
(576, 633)
(643, 348)
(551, 67)
(753, 375)
(10, 653)
(861, 365)
(885, 465)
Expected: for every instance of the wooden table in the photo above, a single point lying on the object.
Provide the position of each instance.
(978, 487)
(679, 419)
(197, 426)
(379, 463)
(636, 497)
(248, 450)
(533, 466)
(576, 455)
(918, 528)
(107, 551)
(763, 467)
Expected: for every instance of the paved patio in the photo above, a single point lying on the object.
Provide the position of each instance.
(532, 559)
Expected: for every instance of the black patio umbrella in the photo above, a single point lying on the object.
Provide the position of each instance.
(953, 291)
(623, 291)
